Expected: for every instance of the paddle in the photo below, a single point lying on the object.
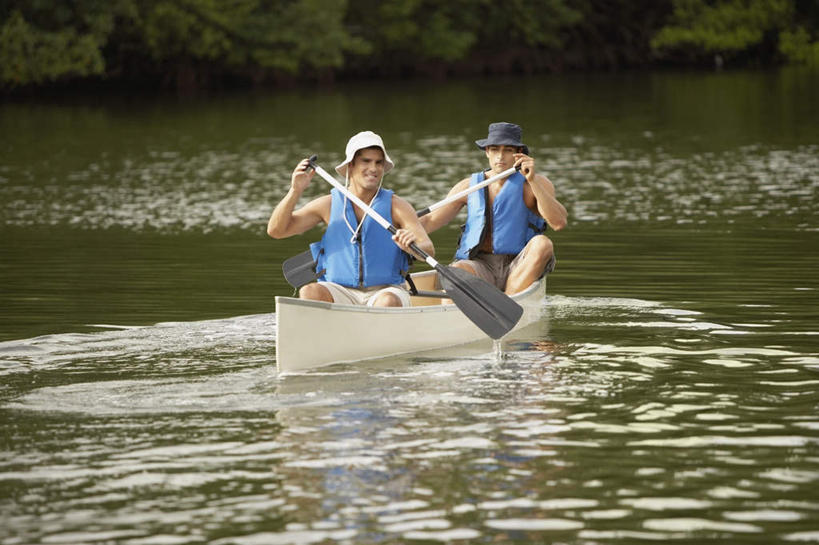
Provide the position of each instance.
(467, 191)
(300, 269)
(494, 312)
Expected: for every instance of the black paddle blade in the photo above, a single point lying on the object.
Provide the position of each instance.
(489, 308)
(300, 269)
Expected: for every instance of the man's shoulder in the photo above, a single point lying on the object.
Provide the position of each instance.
(321, 205)
(400, 203)
(463, 184)
(403, 213)
(545, 181)
(322, 201)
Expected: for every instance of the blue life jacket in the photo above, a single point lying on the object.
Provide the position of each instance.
(371, 259)
(513, 224)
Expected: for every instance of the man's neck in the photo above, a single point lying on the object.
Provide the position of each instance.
(366, 195)
(363, 193)
(488, 173)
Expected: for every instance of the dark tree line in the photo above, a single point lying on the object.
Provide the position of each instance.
(189, 44)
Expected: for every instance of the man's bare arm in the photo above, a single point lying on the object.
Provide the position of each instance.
(286, 221)
(409, 228)
(442, 216)
(542, 192)
(548, 206)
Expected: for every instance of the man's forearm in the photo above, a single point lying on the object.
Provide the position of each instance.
(548, 206)
(277, 226)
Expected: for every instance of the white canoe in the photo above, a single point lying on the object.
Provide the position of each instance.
(311, 334)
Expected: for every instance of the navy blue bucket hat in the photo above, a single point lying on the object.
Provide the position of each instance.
(503, 134)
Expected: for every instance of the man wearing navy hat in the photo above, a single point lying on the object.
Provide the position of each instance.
(360, 262)
(502, 240)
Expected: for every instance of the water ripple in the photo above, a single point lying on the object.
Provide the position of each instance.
(217, 190)
(548, 441)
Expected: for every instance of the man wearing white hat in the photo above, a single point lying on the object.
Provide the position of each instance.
(358, 261)
(502, 241)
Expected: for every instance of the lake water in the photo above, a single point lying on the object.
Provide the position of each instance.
(670, 391)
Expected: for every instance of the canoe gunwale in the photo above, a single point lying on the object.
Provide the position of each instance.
(396, 310)
(343, 307)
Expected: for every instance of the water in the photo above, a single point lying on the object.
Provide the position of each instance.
(668, 393)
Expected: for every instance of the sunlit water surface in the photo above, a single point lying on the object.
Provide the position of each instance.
(669, 392)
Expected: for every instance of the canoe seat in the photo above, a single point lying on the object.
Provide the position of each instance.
(425, 281)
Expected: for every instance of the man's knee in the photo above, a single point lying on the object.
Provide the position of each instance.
(315, 292)
(465, 266)
(541, 248)
(387, 300)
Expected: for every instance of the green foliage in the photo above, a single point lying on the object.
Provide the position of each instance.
(724, 26)
(408, 33)
(441, 39)
(420, 30)
(532, 23)
(798, 47)
(279, 35)
(32, 55)
(189, 43)
(41, 41)
(318, 33)
(614, 33)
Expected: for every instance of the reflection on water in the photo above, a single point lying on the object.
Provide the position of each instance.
(669, 393)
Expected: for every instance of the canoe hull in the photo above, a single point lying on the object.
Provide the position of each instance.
(312, 334)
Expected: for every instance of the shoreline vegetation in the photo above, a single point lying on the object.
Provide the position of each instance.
(188, 46)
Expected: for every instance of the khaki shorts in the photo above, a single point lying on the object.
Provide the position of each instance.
(364, 296)
(496, 268)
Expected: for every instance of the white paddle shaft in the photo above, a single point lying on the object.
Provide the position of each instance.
(369, 211)
(467, 191)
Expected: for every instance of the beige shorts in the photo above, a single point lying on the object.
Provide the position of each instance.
(364, 296)
(496, 268)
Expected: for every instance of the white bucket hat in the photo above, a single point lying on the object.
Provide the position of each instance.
(364, 139)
